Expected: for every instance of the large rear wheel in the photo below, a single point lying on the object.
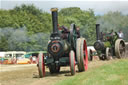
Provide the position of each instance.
(41, 65)
(120, 48)
(72, 62)
(78, 43)
(84, 54)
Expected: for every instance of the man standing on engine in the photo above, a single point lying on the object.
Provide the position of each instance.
(78, 32)
(121, 34)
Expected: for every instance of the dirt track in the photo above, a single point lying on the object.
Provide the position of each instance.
(28, 74)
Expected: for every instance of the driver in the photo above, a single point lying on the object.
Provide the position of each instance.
(64, 31)
(78, 32)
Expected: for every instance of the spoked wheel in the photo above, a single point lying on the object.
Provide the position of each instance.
(72, 62)
(120, 48)
(78, 43)
(102, 57)
(84, 55)
(41, 65)
(90, 55)
(73, 35)
(108, 53)
(54, 69)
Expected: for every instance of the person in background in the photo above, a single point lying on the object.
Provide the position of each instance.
(78, 32)
(31, 59)
(63, 31)
(2, 60)
(121, 34)
(14, 60)
(34, 59)
(112, 32)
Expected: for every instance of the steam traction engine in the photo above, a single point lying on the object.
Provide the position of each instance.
(109, 45)
(63, 51)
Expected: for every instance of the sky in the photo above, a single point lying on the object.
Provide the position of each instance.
(99, 6)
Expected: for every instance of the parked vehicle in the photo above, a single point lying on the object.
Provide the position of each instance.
(23, 60)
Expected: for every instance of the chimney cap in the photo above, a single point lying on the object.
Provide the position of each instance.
(54, 9)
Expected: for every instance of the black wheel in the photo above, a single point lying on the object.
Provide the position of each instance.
(103, 57)
(54, 69)
(72, 62)
(41, 65)
(73, 35)
(120, 48)
(84, 55)
(108, 53)
(78, 43)
(90, 55)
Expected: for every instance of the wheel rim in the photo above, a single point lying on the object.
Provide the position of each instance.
(120, 48)
(72, 62)
(90, 55)
(85, 55)
(41, 67)
(78, 54)
(108, 54)
(73, 34)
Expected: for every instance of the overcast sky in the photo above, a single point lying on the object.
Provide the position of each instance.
(100, 7)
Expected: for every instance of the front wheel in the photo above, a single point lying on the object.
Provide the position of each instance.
(72, 62)
(108, 53)
(41, 65)
(78, 43)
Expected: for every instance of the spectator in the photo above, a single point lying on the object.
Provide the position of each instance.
(31, 59)
(14, 60)
(2, 60)
(120, 34)
(112, 32)
(34, 59)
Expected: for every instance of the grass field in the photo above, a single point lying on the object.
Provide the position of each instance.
(115, 73)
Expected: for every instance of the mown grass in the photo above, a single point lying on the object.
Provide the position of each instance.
(115, 73)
